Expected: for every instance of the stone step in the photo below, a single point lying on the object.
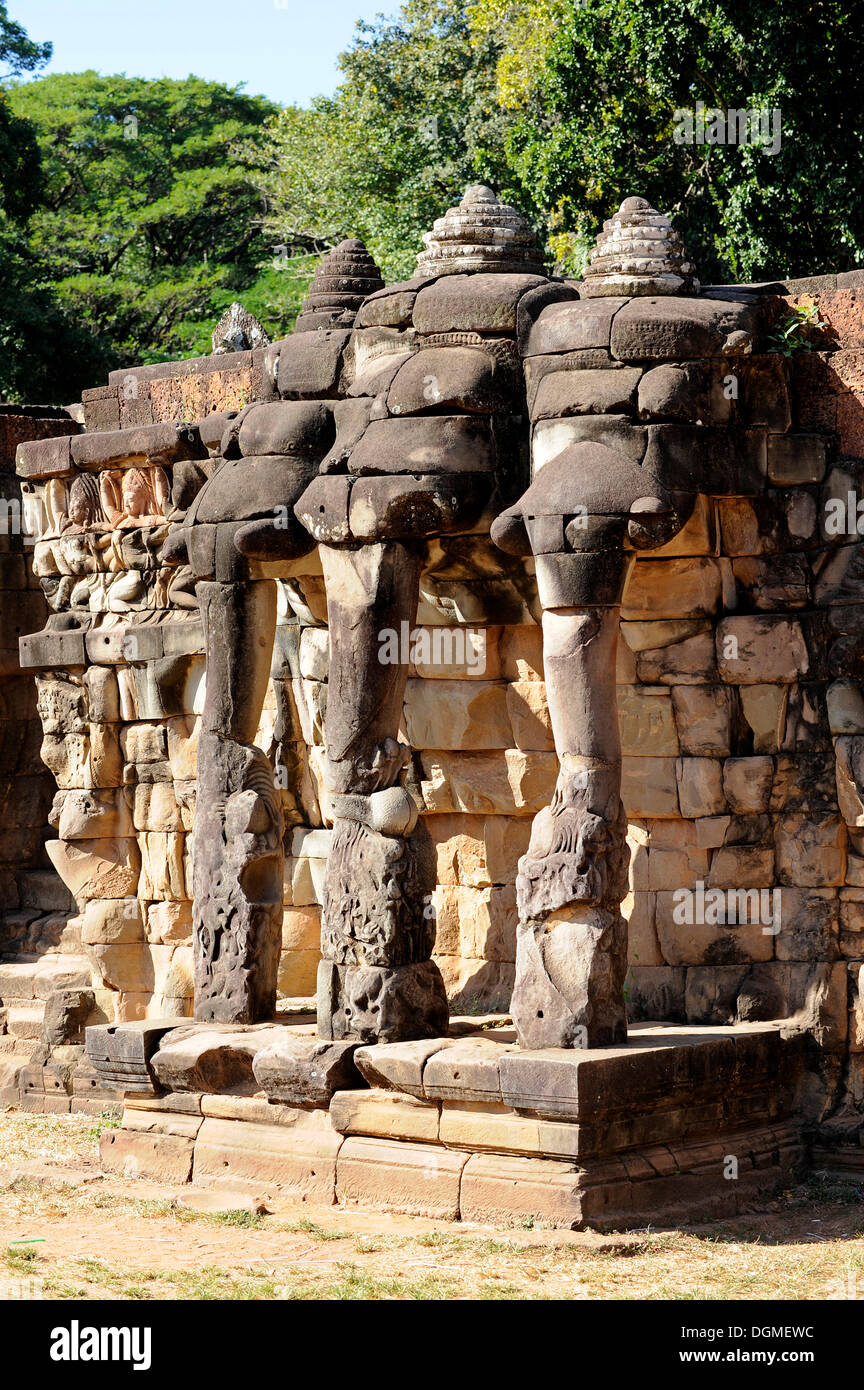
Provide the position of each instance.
(25, 1021)
(16, 980)
(34, 933)
(22, 980)
(46, 891)
(61, 972)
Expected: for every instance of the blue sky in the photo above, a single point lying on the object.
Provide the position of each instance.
(284, 49)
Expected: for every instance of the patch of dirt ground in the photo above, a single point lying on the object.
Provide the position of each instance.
(66, 1232)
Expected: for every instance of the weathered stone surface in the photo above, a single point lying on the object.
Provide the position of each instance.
(396, 1176)
(147, 444)
(751, 650)
(794, 459)
(437, 444)
(672, 328)
(158, 1157)
(585, 393)
(310, 365)
(198, 1058)
(66, 1012)
(692, 392)
(298, 1159)
(385, 1115)
(747, 783)
(121, 1054)
(399, 1066)
(468, 1066)
(304, 1071)
(572, 327)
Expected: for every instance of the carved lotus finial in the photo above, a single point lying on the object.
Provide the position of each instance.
(480, 233)
(344, 278)
(639, 252)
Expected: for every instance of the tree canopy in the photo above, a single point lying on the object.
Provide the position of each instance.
(147, 226)
(414, 119)
(594, 86)
(133, 211)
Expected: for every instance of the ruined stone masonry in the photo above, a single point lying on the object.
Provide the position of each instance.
(490, 645)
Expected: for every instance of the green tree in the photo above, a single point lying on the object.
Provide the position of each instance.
(149, 224)
(22, 320)
(414, 119)
(594, 86)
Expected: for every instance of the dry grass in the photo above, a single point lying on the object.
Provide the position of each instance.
(96, 1239)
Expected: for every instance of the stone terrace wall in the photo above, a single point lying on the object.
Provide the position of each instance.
(28, 885)
(731, 764)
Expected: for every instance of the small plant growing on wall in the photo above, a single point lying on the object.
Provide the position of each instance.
(798, 332)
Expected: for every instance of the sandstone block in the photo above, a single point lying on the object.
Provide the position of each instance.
(397, 1176)
(684, 587)
(747, 784)
(301, 928)
(811, 852)
(765, 707)
(562, 393)
(703, 716)
(457, 715)
(680, 664)
(112, 921)
(754, 650)
(505, 1189)
(710, 943)
(480, 303)
(96, 868)
(156, 808)
(398, 1066)
(796, 459)
(674, 328)
(385, 1115)
(646, 723)
(169, 922)
(741, 866)
(572, 327)
(656, 992)
(163, 1158)
(521, 650)
(649, 786)
(642, 945)
(304, 1071)
(512, 782)
(202, 1057)
(845, 707)
(700, 787)
(91, 815)
(299, 1160)
(468, 1068)
(528, 713)
(809, 924)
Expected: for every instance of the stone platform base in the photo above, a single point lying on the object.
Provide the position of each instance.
(680, 1124)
